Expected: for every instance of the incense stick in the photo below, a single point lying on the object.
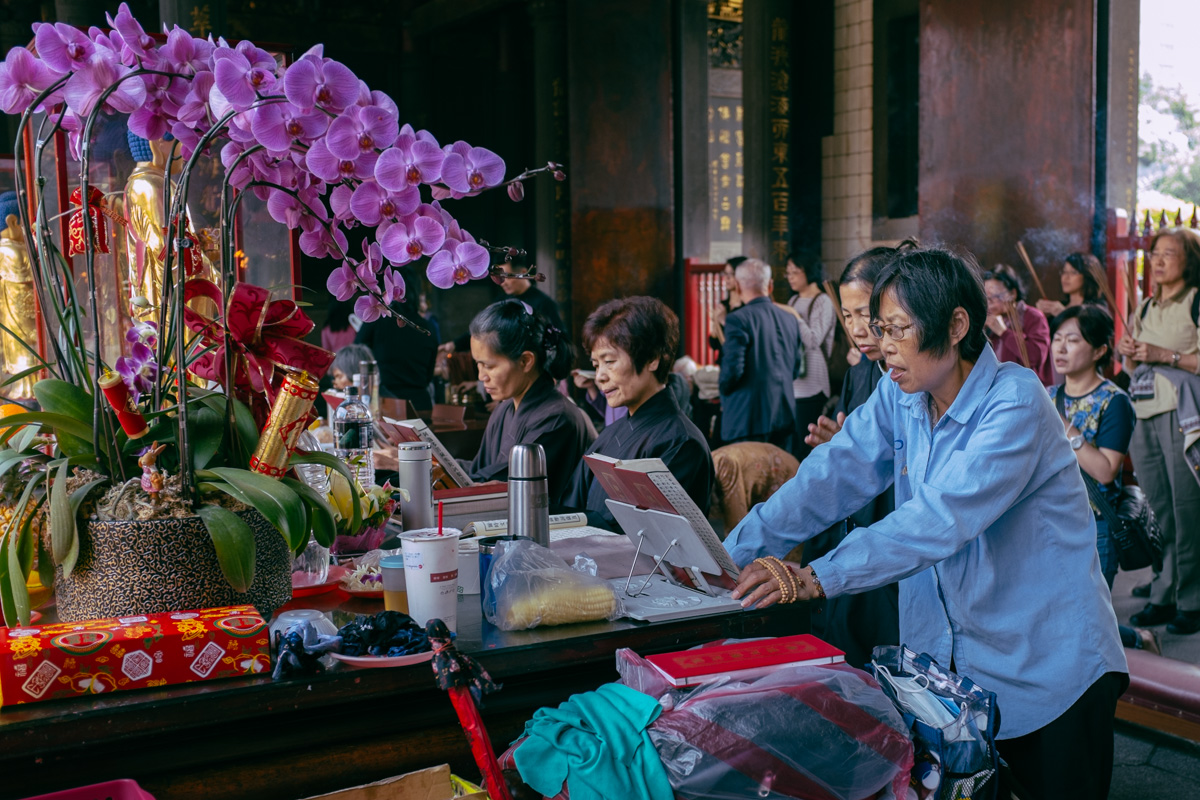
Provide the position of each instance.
(1029, 266)
(1018, 334)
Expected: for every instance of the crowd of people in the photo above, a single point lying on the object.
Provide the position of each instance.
(939, 499)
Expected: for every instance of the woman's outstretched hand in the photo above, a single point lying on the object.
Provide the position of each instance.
(823, 430)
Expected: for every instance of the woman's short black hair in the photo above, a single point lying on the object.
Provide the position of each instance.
(1008, 276)
(1090, 268)
(1095, 325)
(348, 358)
(642, 326)
(511, 327)
(869, 264)
(929, 284)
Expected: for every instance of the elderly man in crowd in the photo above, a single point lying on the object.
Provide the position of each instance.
(759, 361)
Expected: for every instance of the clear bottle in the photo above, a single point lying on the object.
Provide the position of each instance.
(368, 382)
(353, 432)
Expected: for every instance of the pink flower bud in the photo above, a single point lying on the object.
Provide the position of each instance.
(559, 175)
(516, 191)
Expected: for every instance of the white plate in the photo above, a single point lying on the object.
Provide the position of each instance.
(384, 661)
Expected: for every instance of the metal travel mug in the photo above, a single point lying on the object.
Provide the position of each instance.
(528, 494)
(414, 470)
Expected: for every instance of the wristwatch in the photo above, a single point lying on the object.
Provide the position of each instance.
(1076, 441)
(1175, 358)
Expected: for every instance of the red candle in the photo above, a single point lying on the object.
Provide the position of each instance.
(117, 393)
(439, 517)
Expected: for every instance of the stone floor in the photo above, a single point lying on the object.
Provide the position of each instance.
(1149, 766)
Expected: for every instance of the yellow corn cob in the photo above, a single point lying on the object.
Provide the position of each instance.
(558, 597)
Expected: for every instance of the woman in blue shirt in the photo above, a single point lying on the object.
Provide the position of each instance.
(991, 539)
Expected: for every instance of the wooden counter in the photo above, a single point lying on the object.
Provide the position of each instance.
(290, 739)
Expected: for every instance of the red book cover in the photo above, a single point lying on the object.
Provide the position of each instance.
(645, 493)
(744, 659)
(475, 490)
(605, 470)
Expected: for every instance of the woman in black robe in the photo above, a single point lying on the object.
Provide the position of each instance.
(521, 356)
(632, 343)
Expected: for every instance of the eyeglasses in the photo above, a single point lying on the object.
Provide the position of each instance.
(999, 298)
(894, 332)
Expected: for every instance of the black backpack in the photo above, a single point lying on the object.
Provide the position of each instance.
(1195, 308)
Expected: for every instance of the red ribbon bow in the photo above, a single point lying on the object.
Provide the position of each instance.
(263, 333)
(75, 241)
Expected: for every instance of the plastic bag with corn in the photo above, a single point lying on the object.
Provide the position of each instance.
(528, 585)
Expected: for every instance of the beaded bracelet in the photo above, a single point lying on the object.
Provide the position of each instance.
(789, 583)
(817, 583)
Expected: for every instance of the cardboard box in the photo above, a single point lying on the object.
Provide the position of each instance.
(434, 783)
(70, 659)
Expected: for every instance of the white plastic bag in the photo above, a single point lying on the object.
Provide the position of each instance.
(528, 585)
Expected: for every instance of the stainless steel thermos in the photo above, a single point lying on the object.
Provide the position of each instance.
(414, 474)
(528, 494)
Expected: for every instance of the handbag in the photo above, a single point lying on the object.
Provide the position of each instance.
(1132, 523)
(953, 722)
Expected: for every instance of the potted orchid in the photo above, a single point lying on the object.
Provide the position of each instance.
(326, 154)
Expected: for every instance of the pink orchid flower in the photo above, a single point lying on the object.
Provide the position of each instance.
(312, 82)
(371, 203)
(409, 162)
(361, 129)
(457, 263)
(23, 77)
(403, 243)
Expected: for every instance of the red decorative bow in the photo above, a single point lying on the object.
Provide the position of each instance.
(264, 334)
(75, 242)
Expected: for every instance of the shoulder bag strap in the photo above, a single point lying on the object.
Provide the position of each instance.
(1093, 487)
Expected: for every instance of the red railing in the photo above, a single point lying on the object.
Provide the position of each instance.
(1125, 254)
(703, 288)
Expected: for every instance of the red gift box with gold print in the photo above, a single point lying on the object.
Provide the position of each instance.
(72, 659)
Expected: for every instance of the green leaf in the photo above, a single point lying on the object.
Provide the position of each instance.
(320, 515)
(26, 546)
(10, 459)
(67, 399)
(60, 422)
(20, 593)
(334, 463)
(207, 432)
(279, 504)
(8, 604)
(76, 500)
(62, 523)
(22, 438)
(25, 373)
(234, 542)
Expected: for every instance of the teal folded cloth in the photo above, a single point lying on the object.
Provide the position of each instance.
(595, 742)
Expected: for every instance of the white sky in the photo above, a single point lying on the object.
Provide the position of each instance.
(1170, 50)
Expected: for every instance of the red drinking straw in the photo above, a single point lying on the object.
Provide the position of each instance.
(439, 517)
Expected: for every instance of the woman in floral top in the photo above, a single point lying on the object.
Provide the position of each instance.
(1099, 421)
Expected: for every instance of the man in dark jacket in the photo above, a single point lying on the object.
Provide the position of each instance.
(761, 358)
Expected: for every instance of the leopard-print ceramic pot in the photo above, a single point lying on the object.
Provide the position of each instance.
(148, 567)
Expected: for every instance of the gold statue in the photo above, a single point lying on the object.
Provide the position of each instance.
(18, 307)
(144, 232)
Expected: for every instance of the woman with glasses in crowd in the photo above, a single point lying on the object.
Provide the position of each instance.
(1161, 347)
(1018, 332)
(992, 540)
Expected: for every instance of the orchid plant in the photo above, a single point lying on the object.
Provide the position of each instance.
(324, 151)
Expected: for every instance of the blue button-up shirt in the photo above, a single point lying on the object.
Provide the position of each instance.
(992, 538)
